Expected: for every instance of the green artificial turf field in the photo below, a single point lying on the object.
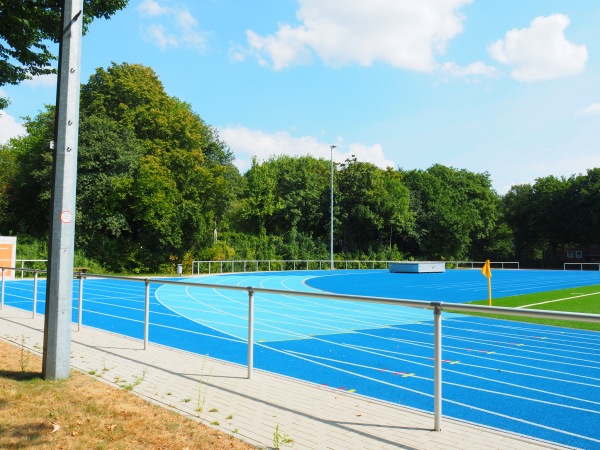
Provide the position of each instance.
(584, 299)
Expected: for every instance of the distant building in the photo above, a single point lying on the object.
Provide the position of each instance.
(581, 254)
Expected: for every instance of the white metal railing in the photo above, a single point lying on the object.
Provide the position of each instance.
(23, 264)
(581, 265)
(436, 307)
(504, 265)
(257, 265)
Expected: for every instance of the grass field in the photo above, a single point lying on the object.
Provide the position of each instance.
(85, 413)
(584, 299)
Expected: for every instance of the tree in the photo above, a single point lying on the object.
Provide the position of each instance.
(583, 218)
(523, 220)
(153, 177)
(28, 199)
(373, 207)
(553, 213)
(456, 210)
(260, 201)
(185, 171)
(27, 29)
(108, 165)
(7, 173)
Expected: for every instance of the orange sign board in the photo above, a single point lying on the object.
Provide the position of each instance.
(8, 250)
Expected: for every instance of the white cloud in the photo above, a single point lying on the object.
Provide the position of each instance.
(9, 128)
(157, 34)
(471, 70)
(43, 81)
(541, 51)
(402, 33)
(152, 8)
(246, 144)
(591, 110)
(177, 27)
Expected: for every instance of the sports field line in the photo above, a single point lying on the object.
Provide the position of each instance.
(558, 300)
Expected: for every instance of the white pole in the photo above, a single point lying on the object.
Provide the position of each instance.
(146, 313)
(437, 368)
(250, 331)
(35, 292)
(331, 147)
(80, 301)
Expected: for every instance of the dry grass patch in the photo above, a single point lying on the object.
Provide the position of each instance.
(84, 413)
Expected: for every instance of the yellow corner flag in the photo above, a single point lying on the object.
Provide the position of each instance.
(487, 272)
(486, 269)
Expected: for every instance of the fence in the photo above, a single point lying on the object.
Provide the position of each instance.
(253, 265)
(231, 266)
(436, 308)
(582, 266)
(25, 263)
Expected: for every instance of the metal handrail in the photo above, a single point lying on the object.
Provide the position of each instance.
(23, 261)
(437, 308)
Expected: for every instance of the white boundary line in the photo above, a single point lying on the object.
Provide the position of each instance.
(558, 300)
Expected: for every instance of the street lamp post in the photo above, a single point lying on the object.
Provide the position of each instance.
(331, 147)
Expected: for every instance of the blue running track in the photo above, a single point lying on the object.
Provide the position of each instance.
(535, 380)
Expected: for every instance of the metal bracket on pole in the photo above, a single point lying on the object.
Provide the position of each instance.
(250, 331)
(437, 365)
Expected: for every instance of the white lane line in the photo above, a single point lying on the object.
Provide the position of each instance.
(558, 300)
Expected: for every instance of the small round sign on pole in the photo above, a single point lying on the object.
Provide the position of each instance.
(66, 216)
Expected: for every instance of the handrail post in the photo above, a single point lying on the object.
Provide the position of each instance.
(146, 313)
(2, 293)
(437, 366)
(80, 298)
(35, 288)
(250, 331)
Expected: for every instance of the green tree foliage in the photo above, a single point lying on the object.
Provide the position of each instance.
(29, 26)
(286, 197)
(108, 164)
(551, 209)
(521, 218)
(553, 214)
(289, 197)
(7, 170)
(456, 211)
(28, 199)
(373, 206)
(184, 174)
(260, 201)
(584, 215)
(153, 177)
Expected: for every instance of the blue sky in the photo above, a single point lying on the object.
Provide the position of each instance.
(507, 87)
